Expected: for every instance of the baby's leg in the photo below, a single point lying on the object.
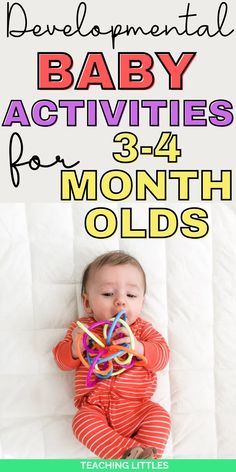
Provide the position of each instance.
(90, 427)
(154, 428)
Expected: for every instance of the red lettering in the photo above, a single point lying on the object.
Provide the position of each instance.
(54, 71)
(95, 72)
(177, 69)
(135, 71)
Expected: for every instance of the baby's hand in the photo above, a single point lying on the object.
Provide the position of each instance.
(138, 346)
(74, 347)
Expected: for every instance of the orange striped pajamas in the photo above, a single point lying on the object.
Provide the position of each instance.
(117, 414)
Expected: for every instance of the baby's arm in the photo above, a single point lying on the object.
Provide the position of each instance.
(156, 349)
(65, 351)
(150, 344)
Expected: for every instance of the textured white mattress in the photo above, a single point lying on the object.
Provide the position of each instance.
(190, 300)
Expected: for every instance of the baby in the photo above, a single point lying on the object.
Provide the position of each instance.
(116, 418)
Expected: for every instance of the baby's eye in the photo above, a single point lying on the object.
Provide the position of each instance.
(131, 295)
(107, 294)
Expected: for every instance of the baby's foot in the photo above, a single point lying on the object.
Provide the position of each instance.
(140, 453)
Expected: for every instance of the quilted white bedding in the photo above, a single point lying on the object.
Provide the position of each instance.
(190, 300)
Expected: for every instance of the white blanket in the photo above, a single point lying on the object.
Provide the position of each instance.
(190, 300)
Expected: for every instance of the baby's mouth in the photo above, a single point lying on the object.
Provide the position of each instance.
(115, 314)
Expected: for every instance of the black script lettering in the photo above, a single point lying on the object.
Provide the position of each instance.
(183, 27)
(34, 163)
(16, 33)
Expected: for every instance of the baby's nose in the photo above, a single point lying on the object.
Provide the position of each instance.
(120, 301)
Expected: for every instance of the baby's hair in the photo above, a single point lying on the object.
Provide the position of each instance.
(112, 258)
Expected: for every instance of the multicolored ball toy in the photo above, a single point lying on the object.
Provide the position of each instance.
(101, 356)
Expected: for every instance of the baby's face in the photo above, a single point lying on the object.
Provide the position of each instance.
(113, 288)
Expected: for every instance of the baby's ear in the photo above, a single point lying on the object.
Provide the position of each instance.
(87, 308)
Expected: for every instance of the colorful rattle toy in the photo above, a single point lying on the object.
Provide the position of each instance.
(102, 357)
